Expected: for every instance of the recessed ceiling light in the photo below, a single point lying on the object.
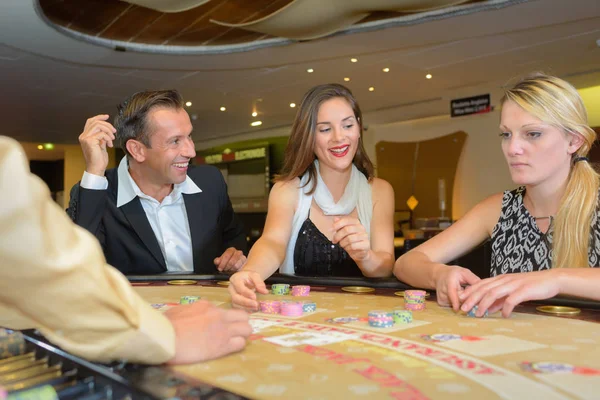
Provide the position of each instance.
(428, 76)
(386, 69)
(188, 103)
(292, 105)
(347, 79)
(354, 59)
(310, 70)
(371, 89)
(256, 123)
(223, 109)
(254, 113)
(49, 146)
(40, 147)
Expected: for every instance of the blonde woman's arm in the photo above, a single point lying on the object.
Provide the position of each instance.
(425, 266)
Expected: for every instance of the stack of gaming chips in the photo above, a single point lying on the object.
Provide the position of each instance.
(280, 289)
(300, 290)
(189, 299)
(287, 308)
(403, 316)
(473, 311)
(309, 306)
(270, 306)
(381, 319)
(414, 300)
(291, 308)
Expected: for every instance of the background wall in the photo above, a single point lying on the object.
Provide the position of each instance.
(481, 169)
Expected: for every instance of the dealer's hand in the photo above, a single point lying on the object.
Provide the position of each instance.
(204, 332)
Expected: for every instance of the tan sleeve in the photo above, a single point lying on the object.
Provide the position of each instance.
(54, 277)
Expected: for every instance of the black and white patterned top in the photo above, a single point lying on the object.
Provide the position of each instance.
(518, 245)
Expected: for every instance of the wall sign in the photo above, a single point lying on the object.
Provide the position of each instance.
(470, 105)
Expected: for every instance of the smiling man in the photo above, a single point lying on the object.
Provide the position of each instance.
(155, 212)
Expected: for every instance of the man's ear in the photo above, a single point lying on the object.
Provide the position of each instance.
(136, 149)
(576, 141)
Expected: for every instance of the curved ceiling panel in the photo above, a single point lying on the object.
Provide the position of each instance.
(232, 25)
(312, 19)
(168, 6)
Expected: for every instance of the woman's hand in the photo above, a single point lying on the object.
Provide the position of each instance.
(243, 287)
(505, 292)
(352, 237)
(449, 283)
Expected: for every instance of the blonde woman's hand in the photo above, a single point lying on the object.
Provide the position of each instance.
(243, 287)
(505, 292)
(449, 283)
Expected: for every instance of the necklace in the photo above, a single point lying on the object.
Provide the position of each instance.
(550, 217)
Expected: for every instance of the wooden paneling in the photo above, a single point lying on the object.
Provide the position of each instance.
(436, 159)
(118, 20)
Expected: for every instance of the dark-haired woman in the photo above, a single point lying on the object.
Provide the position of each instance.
(328, 215)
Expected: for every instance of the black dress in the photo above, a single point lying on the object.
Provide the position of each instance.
(315, 255)
(518, 245)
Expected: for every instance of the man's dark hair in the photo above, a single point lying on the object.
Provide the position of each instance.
(131, 121)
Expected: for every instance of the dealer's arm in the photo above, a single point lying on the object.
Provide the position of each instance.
(53, 277)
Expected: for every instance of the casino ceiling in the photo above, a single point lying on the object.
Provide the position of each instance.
(240, 61)
(234, 24)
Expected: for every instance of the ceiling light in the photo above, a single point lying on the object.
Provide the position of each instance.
(40, 147)
(254, 113)
(354, 59)
(428, 76)
(292, 105)
(310, 70)
(256, 123)
(371, 89)
(347, 79)
(386, 69)
(48, 146)
(223, 109)
(188, 103)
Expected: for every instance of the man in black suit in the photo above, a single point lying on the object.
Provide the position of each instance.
(155, 212)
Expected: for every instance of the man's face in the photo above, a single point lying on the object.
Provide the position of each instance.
(171, 146)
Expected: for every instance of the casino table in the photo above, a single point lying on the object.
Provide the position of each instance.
(334, 353)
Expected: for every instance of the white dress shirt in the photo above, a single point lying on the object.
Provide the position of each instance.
(168, 218)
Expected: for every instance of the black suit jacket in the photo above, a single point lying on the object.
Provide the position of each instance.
(127, 238)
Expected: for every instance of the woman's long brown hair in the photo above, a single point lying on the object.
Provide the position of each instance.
(300, 149)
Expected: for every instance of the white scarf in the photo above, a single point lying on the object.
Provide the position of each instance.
(357, 194)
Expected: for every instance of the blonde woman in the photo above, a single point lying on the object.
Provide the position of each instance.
(545, 235)
(328, 215)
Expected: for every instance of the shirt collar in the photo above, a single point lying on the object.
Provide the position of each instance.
(129, 190)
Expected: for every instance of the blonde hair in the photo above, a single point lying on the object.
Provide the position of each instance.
(300, 150)
(557, 102)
